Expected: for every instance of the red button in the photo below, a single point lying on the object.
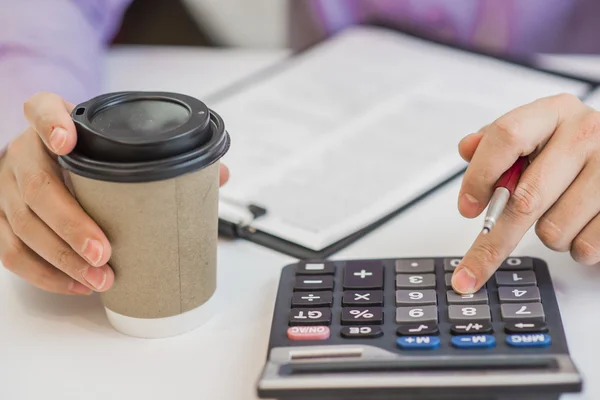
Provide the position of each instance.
(308, 333)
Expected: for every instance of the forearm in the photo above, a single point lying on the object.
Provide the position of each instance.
(51, 46)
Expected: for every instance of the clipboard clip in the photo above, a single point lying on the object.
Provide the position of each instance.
(239, 214)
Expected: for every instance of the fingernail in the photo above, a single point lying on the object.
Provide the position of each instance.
(96, 277)
(92, 251)
(464, 281)
(472, 200)
(78, 288)
(58, 137)
(468, 204)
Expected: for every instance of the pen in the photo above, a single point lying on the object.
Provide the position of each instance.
(502, 192)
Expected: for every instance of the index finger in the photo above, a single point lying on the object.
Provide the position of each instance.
(50, 117)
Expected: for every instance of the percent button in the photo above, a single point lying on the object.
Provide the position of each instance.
(362, 315)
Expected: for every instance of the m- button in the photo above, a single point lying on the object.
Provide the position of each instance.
(363, 276)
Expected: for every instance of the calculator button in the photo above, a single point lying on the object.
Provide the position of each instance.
(312, 299)
(521, 294)
(419, 281)
(526, 327)
(471, 327)
(416, 297)
(515, 278)
(469, 313)
(418, 329)
(362, 298)
(480, 297)
(363, 276)
(415, 266)
(304, 316)
(517, 263)
(448, 281)
(362, 315)
(529, 340)
(450, 264)
(361, 332)
(522, 311)
(315, 269)
(418, 342)
(407, 315)
(308, 333)
(473, 341)
(309, 283)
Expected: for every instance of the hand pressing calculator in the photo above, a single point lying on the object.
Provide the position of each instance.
(395, 329)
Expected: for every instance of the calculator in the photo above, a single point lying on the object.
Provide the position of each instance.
(394, 329)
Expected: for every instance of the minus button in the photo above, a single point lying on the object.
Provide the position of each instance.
(311, 283)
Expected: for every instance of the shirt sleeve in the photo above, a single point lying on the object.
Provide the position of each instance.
(52, 46)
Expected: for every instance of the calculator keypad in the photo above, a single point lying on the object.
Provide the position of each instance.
(362, 300)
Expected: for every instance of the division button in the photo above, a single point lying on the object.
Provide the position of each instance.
(450, 264)
(480, 297)
(361, 332)
(471, 328)
(515, 278)
(418, 329)
(529, 340)
(416, 297)
(315, 268)
(526, 327)
(522, 312)
(362, 316)
(418, 342)
(473, 341)
(308, 333)
(417, 266)
(312, 299)
(469, 313)
(519, 294)
(416, 281)
(363, 276)
(517, 263)
(307, 316)
(411, 315)
(314, 282)
(362, 298)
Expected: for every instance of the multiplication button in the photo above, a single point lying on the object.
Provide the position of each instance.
(312, 282)
(312, 299)
(362, 316)
(363, 276)
(519, 294)
(304, 316)
(515, 278)
(522, 312)
(362, 298)
(415, 266)
(418, 281)
(408, 315)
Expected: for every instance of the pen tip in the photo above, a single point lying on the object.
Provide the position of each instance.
(485, 230)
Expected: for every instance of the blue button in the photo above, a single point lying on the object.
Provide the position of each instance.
(418, 342)
(529, 340)
(473, 341)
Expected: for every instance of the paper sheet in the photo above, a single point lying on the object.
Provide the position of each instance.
(361, 125)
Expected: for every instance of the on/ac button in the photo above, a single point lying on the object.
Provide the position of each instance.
(308, 333)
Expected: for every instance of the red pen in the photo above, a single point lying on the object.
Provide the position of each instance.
(503, 189)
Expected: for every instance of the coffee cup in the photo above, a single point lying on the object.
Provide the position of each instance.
(146, 169)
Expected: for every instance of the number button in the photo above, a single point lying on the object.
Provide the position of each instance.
(469, 313)
(450, 264)
(407, 315)
(515, 278)
(522, 311)
(481, 297)
(312, 299)
(517, 263)
(360, 332)
(416, 297)
(415, 266)
(311, 283)
(362, 315)
(448, 280)
(423, 281)
(363, 276)
(524, 294)
(304, 316)
(363, 298)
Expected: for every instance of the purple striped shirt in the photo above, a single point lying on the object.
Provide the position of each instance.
(58, 45)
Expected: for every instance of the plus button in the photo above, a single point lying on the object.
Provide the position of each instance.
(363, 274)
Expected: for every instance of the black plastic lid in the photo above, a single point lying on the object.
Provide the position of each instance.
(144, 136)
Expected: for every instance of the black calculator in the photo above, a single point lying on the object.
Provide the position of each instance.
(395, 329)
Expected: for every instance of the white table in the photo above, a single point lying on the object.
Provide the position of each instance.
(54, 347)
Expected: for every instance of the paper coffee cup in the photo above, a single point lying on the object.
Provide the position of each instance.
(146, 169)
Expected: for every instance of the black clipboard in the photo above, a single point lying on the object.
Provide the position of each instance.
(234, 231)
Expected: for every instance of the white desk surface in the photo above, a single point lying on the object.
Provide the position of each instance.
(54, 347)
